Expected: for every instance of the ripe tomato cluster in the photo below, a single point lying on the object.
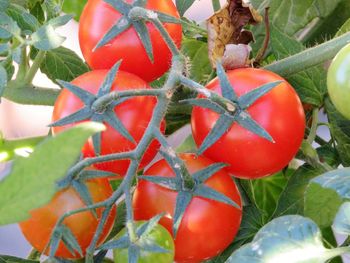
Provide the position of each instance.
(207, 226)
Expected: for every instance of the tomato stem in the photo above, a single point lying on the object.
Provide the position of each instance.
(34, 255)
(35, 67)
(265, 46)
(30, 95)
(314, 126)
(309, 57)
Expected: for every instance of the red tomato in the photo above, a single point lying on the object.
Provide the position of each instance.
(134, 113)
(38, 229)
(279, 112)
(98, 17)
(207, 227)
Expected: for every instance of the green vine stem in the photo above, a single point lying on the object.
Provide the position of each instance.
(34, 255)
(309, 57)
(30, 95)
(35, 67)
(314, 126)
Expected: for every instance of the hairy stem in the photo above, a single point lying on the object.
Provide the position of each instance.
(31, 95)
(309, 57)
(313, 129)
(35, 67)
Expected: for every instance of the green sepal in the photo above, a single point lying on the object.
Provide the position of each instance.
(209, 193)
(248, 99)
(133, 253)
(183, 199)
(167, 182)
(205, 103)
(108, 81)
(120, 6)
(119, 27)
(165, 18)
(204, 174)
(70, 241)
(142, 32)
(146, 228)
(246, 121)
(176, 164)
(85, 96)
(122, 242)
(84, 194)
(221, 126)
(80, 115)
(226, 88)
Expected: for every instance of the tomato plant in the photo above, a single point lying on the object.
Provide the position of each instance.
(279, 112)
(207, 227)
(38, 229)
(135, 114)
(247, 123)
(98, 17)
(158, 236)
(338, 81)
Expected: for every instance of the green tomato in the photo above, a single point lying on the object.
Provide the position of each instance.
(338, 81)
(159, 236)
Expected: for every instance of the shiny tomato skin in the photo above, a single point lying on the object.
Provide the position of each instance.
(98, 17)
(338, 81)
(39, 227)
(207, 227)
(134, 113)
(279, 112)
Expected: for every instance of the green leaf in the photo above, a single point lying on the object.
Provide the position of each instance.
(25, 20)
(342, 220)
(197, 52)
(8, 27)
(3, 79)
(11, 259)
(291, 200)
(74, 7)
(325, 194)
(293, 16)
(344, 29)
(292, 239)
(327, 28)
(266, 192)
(310, 84)
(183, 5)
(64, 64)
(340, 130)
(37, 11)
(31, 182)
(4, 4)
(46, 38)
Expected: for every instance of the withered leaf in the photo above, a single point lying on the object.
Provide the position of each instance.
(226, 27)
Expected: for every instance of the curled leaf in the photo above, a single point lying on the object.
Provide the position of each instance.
(226, 27)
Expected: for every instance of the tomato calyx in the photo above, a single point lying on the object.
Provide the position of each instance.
(185, 194)
(135, 15)
(64, 233)
(231, 109)
(103, 112)
(142, 242)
